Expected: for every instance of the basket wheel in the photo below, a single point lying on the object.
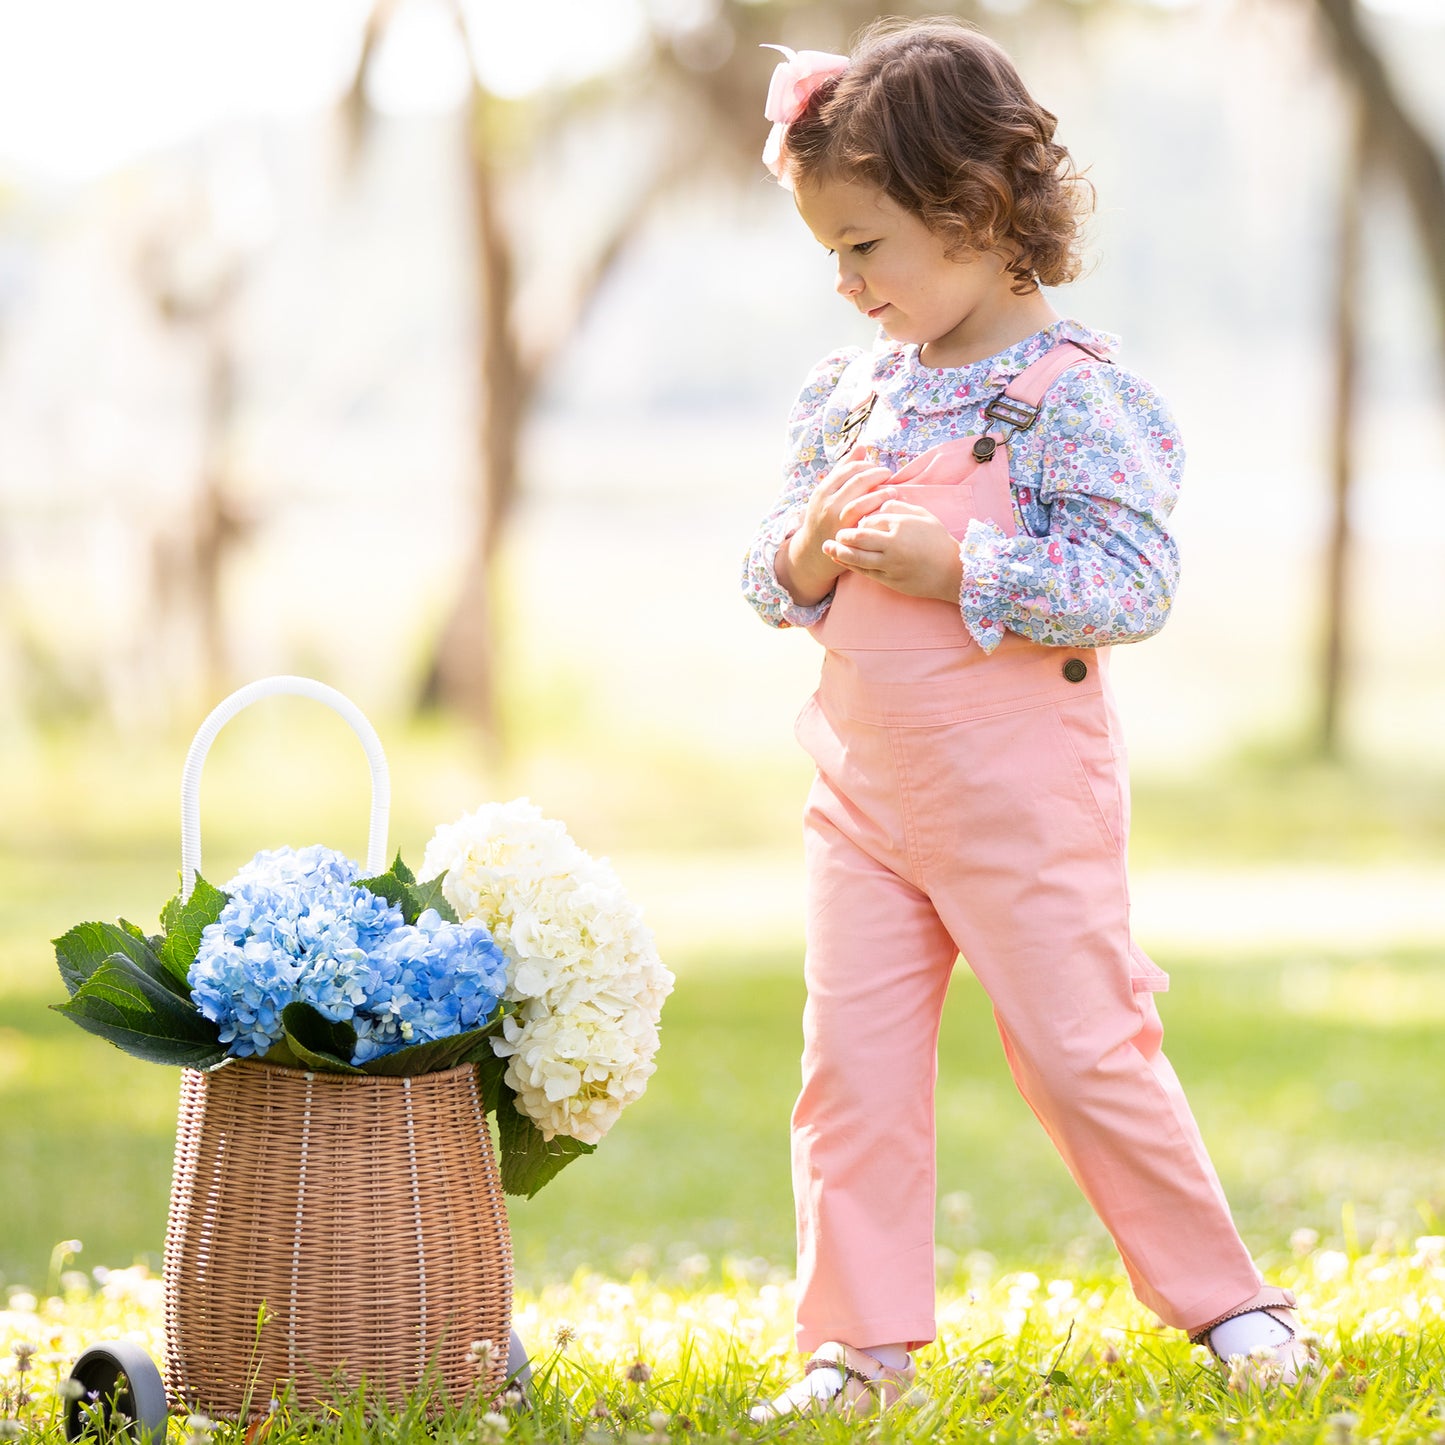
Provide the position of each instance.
(120, 1394)
(519, 1367)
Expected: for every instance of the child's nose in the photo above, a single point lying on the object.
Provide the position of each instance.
(849, 282)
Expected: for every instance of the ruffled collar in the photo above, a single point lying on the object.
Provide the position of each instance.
(898, 371)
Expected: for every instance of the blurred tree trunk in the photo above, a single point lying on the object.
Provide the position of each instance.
(513, 365)
(355, 112)
(513, 362)
(1333, 671)
(462, 672)
(1400, 141)
(188, 570)
(1382, 132)
(220, 525)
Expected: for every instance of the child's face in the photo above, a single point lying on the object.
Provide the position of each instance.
(892, 267)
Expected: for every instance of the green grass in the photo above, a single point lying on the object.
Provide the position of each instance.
(1021, 1356)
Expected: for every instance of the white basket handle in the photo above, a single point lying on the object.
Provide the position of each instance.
(243, 698)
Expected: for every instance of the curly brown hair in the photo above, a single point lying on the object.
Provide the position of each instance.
(933, 114)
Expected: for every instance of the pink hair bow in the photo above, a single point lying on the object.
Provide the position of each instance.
(793, 83)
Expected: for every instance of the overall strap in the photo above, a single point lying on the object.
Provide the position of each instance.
(1017, 406)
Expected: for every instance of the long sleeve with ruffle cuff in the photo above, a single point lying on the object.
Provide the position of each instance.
(1064, 593)
(812, 430)
(1102, 568)
(771, 599)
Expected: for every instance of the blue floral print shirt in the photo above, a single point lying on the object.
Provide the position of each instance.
(1094, 480)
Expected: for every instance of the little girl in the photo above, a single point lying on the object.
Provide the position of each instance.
(974, 512)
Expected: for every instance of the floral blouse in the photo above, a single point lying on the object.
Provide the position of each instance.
(1094, 480)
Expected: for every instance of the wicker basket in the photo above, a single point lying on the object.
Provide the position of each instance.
(329, 1231)
(364, 1215)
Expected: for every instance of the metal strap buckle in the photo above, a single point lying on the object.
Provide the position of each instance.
(1011, 412)
(856, 419)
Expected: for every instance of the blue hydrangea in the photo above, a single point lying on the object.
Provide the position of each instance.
(314, 868)
(438, 979)
(296, 928)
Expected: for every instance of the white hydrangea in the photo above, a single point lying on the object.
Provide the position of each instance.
(584, 967)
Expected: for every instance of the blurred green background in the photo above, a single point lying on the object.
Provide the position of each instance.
(1303, 1018)
(386, 344)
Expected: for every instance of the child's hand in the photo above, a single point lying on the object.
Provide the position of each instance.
(904, 547)
(802, 564)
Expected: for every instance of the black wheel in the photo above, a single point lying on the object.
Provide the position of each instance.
(118, 1393)
(519, 1367)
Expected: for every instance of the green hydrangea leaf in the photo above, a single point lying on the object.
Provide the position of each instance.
(491, 1073)
(398, 886)
(141, 1015)
(279, 1056)
(183, 921)
(389, 886)
(317, 1042)
(429, 894)
(154, 940)
(84, 948)
(528, 1160)
(472, 1047)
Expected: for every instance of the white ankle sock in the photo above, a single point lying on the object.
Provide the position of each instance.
(1247, 1332)
(823, 1384)
(894, 1356)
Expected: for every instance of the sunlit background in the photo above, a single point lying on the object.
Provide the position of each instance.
(178, 180)
(286, 289)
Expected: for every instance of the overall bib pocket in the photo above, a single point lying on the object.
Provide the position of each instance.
(868, 616)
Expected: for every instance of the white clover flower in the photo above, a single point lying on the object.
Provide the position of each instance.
(1429, 1250)
(584, 969)
(1303, 1241)
(199, 1430)
(1240, 1374)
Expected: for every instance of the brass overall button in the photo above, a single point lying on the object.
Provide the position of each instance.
(984, 448)
(1076, 669)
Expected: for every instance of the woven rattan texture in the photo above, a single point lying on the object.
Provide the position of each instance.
(364, 1213)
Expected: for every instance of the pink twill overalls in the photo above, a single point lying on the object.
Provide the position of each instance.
(978, 804)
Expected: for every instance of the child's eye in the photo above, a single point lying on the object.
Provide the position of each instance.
(864, 247)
